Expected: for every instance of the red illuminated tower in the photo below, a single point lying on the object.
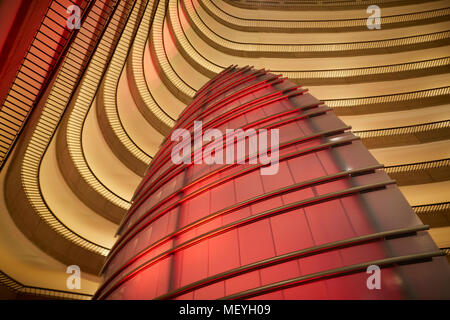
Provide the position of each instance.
(198, 231)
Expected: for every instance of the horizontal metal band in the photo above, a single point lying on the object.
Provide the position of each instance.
(200, 102)
(273, 80)
(250, 125)
(315, 4)
(211, 82)
(215, 84)
(309, 183)
(418, 166)
(160, 156)
(224, 179)
(19, 288)
(431, 208)
(236, 224)
(292, 255)
(332, 273)
(415, 128)
(167, 177)
(207, 34)
(159, 159)
(327, 25)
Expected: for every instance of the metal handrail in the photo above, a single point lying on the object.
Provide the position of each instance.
(197, 58)
(250, 4)
(418, 166)
(20, 288)
(389, 98)
(111, 84)
(432, 207)
(209, 34)
(364, 134)
(29, 85)
(218, 11)
(76, 120)
(62, 92)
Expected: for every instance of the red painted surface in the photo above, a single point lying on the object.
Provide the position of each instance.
(202, 231)
(17, 30)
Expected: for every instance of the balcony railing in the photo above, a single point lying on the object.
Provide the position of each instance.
(435, 215)
(19, 288)
(85, 71)
(418, 166)
(364, 134)
(432, 208)
(47, 49)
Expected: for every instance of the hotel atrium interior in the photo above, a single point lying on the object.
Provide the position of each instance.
(91, 89)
